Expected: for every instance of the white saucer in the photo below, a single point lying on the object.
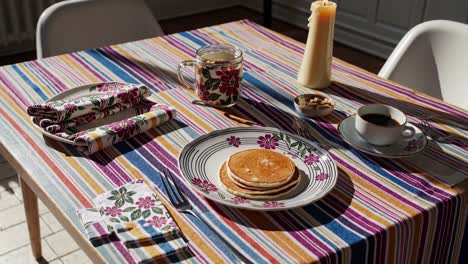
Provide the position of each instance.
(405, 147)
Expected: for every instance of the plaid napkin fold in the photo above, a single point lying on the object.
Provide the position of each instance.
(143, 250)
(153, 242)
(103, 97)
(134, 234)
(94, 139)
(96, 230)
(136, 216)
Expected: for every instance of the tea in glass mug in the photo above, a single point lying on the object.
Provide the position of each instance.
(218, 74)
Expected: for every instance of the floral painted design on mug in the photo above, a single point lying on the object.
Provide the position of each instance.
(218, 74)
(219, 85)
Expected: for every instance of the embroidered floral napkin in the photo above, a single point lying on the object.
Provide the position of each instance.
(139, 220)
(125, 110)
(95, 139)
(134, 201)
(75, 119)
(102, 96)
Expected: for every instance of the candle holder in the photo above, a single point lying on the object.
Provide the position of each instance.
(315, 70)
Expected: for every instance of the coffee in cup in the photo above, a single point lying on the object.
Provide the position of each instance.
(381, 125)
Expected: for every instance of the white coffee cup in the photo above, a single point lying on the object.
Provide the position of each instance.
(377, 133)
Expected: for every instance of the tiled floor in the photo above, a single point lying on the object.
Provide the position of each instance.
(57, 245)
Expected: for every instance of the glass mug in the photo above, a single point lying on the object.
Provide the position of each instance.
(218, 74)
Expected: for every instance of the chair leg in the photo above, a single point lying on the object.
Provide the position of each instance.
(32, 218)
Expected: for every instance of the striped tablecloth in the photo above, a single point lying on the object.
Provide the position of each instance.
(381, 210)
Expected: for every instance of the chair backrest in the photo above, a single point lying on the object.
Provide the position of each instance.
(433, 58)
(75, 25)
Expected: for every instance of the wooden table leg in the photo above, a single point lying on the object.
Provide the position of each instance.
(32, 218)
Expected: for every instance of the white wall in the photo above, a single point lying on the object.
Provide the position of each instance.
(374, 26)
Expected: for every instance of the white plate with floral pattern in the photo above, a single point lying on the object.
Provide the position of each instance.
(201, 159)
(405, 147)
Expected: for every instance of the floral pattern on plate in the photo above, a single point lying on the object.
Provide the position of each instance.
(201, 159)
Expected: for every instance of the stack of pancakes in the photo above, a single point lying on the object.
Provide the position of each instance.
(259, 174)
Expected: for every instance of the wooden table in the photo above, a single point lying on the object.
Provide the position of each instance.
(350, 224)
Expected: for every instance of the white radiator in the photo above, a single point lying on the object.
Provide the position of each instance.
(18, 19)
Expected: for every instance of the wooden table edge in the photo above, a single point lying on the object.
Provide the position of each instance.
(33, 224)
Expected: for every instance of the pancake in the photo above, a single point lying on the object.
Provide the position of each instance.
(230, 184)
(260, 168)
(234, 189)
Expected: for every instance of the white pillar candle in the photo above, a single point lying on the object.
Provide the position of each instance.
(315, 70)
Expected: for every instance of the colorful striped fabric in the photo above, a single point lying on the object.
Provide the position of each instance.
(381, 210)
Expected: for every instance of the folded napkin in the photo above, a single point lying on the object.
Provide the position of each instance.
(132, 202)
(75, 119)
(144, 250)
(157, 229)
(94, 139)
(108, 95)
(139, 220)
(151, 253)
(126, 110)
(96, 229)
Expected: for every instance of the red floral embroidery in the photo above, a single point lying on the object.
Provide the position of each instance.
(157, 221)
(130, 97)
(124, 128)
(70, 108)
(113, 211)
(145, 202)
(85, 119)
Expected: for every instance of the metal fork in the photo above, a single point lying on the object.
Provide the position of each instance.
(303, 130)
(180, 202)
(431, 132)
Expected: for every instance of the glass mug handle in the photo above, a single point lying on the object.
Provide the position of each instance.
(180, 74)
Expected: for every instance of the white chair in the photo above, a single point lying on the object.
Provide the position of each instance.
(433, 58)
(75, 25)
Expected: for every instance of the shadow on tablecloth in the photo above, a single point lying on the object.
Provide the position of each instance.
(363, 97)
(328, 209)
(107, 155)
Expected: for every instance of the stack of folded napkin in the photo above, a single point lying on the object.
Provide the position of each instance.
(74, 119)
(140, 221)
